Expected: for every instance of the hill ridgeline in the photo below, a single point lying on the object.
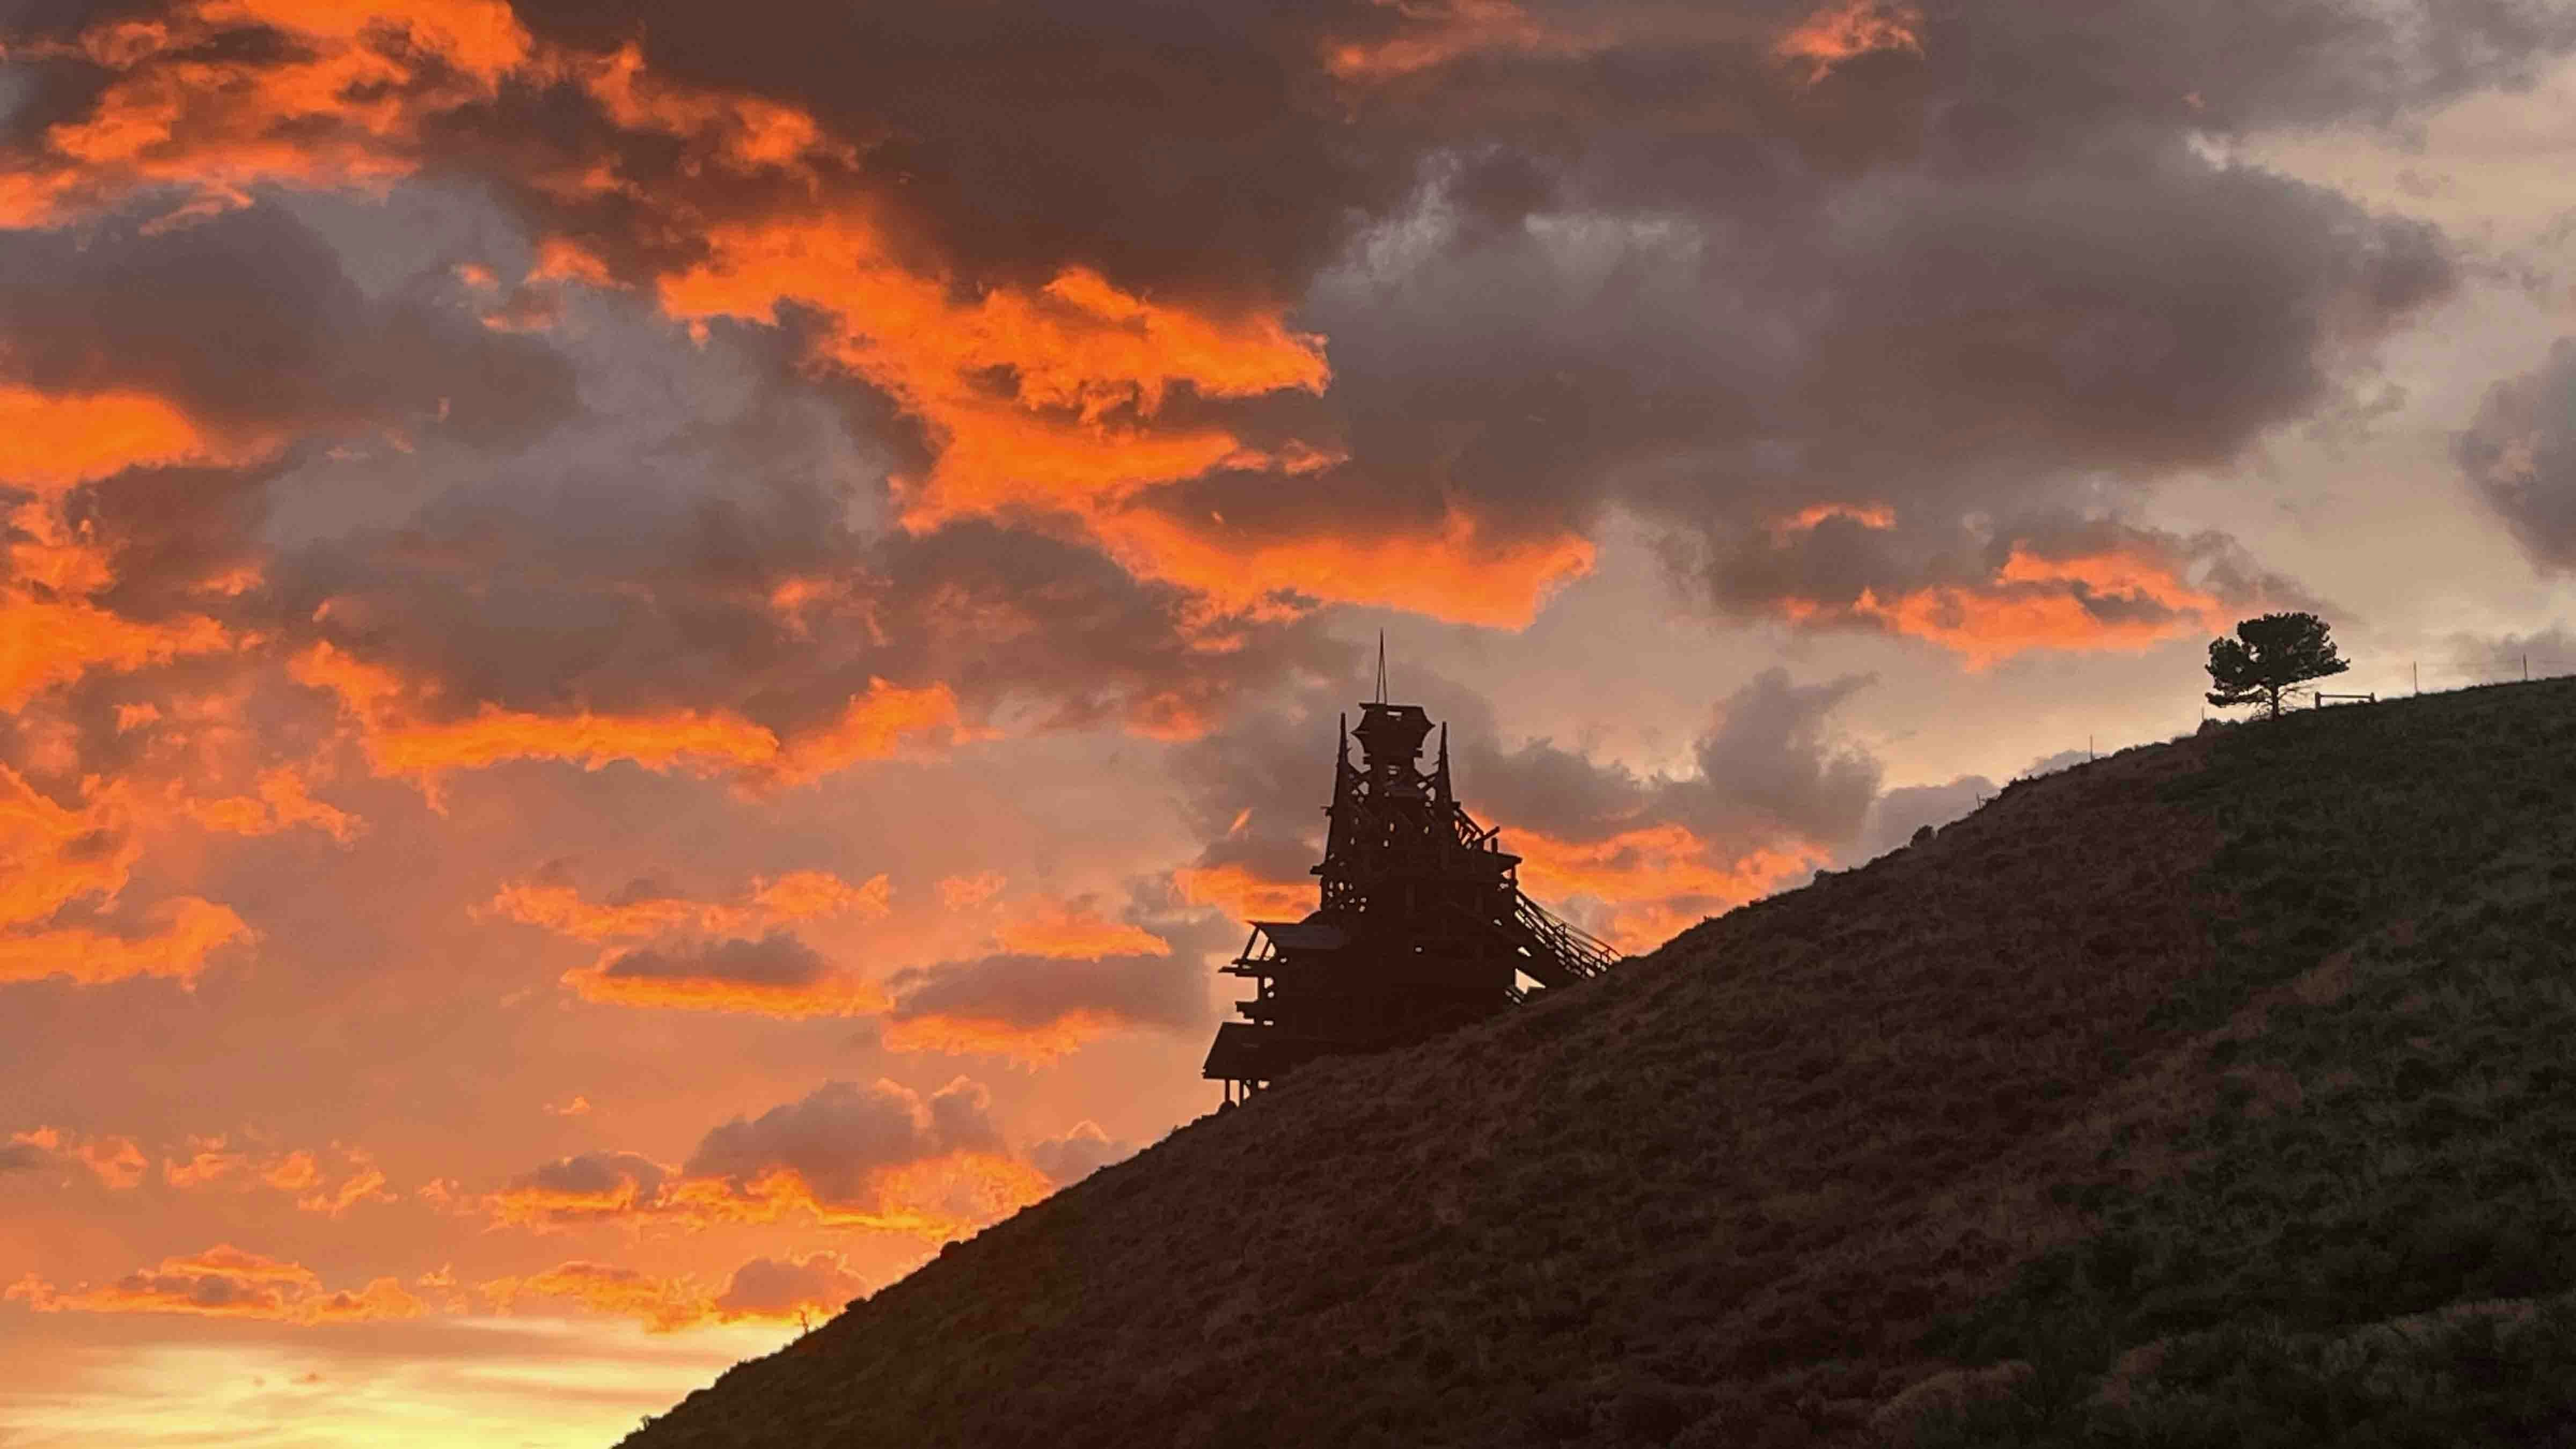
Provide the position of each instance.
(2218, 1092)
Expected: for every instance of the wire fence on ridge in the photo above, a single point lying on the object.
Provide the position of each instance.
(2380, 684)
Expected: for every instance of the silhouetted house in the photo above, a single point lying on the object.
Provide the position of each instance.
(1422, 926)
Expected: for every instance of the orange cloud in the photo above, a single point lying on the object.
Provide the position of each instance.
(560, 909)
(683, 739)
(214, 1160)
(802, 895)
(401, 741)
(955, 1195)
(818, 1284)
(747, 133)
(1076, 344)
(1046, 398)
(186, 930)
(294, 1172)
(226, 1282)
(1456, 573)
(937, 1199)
(1055, 976)
(342, 103)
(799, 895)
(48, 642)
(965, 892)
(1070, 930)
(1867, 515)
(44, 552)
(592, 1187)
(615, 980)
(209, 1161)
(662, 1305)
(345, 102)
(1445, 32)
(781, 1289)
(2112, 573)
(115, 1161)
(1244, 895)
(52, 854)
(482, 38)
(1846, 29)
(1074, 429)
(562, 259)
(365, 1183)
(878, 1156)
(874, 726)
(1652, 875)
(1034, 1045)
(2103, 600)
(771, 976)
(281, 800)
(58, 441)
(687, 966)
(50, 632)
(837, 997)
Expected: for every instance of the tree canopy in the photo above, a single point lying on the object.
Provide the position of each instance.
(2267, 657)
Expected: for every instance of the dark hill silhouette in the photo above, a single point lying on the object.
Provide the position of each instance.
(2146, 1103)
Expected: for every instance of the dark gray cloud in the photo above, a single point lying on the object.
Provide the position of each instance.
(1541, 785)
(729, 552)
(1004, 614)
(1078, 1154)
(2012, 347)
(554, 616)
(777, 960)
(1769, 764)
(1768, 771)
(1023, 992)
(1897, 814)
(1023, 143)
(586, 1187)
(1027, 992)
(2051, 764)
(840, 1134)
(1197, 148)
(2519, 453)
(1605, 257)
(2487, 659)
(248, 322)
(598, 1172)
(778, 1287)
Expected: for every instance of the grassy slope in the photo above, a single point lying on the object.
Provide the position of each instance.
(2118, 1113)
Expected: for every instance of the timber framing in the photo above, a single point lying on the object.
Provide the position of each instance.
(1420, 925)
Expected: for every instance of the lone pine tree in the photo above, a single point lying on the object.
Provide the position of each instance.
(2267, 656)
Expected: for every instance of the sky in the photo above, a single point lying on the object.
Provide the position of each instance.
(649, 651)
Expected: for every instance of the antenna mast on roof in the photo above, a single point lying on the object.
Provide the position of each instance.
(1381, 666)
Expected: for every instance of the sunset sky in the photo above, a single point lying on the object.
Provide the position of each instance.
(650, 649)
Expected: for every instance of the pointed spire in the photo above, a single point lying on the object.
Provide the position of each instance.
(1381, 666)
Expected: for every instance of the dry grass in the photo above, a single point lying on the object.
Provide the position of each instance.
(2208, 1053)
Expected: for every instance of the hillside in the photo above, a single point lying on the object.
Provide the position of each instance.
(2143, 1106)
